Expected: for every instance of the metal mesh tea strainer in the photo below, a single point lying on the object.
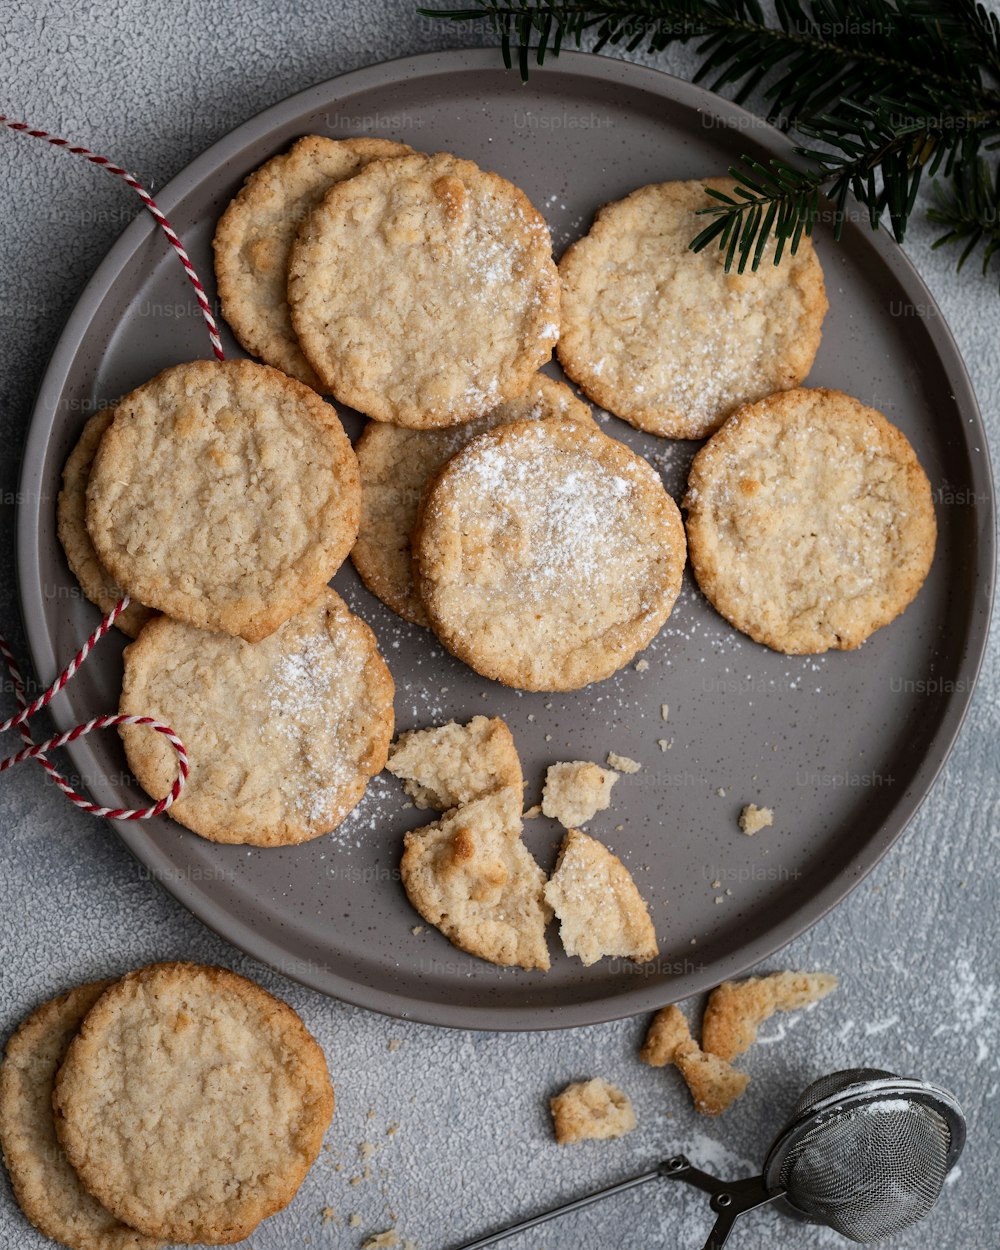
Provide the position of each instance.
(864, 1152)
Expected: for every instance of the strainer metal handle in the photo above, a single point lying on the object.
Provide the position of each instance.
(730, 1200)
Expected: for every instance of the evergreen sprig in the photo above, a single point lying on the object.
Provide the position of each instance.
(881, 91)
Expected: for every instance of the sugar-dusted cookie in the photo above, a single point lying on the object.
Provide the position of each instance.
(598, 905)
(225, 494)
(255, 234)
(47, 1188)
(470, 875)
(396, 464)
(810, 521)
(423, 291)
(449, 765)
(192, 1103)
(71, 518)
(666, 339)
(282, 735)
(547, 554)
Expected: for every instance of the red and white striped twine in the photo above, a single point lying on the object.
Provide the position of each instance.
(38, 751)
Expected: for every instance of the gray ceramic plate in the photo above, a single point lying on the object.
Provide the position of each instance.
(842, 747)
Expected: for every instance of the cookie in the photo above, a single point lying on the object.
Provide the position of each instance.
(282, 735)
(423, 291)
(71, 523)
(254, 238)
(714, 1085)
(547, 554)
(662, 336)
(591, 1111)
(192, 1103)
(396, 464)
(450, 765)
(472, 877)
(575, 791)
(737, 1009)
(669, 1030)
(47, 1189)
(810, 521)
(598, 905)
(225, 494)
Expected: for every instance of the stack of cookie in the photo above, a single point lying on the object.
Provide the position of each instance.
(224, 496)
(421, 291)
(180, 1104)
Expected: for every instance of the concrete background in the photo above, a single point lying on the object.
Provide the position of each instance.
(916, 944)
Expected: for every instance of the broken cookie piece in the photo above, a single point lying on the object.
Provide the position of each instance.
(668, 1031)
(591, 1111)
(448, 765)
(470, 875)
(736, 1009)
(576, 791)
(714, 1085)
(600, 909)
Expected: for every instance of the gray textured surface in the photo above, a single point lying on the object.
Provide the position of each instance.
(915, 945)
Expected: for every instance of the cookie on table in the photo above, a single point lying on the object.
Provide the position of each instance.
(714, 1084)
(225, 494)
(736, 1009)
(255, 234)
(668, 1030)
(71, 521)
(192, 1103)
(396, 464)
(591, 1110)
(470, 875)
(810, 522)
(423, 291)
(598, 905)
(547, 554)
(662, 336)
(47, 1189)
(282, 735)
(449, 765)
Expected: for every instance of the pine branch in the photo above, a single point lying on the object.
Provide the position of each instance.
(971, 212)
(886, 91)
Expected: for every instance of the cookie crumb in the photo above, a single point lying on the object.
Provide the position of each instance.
(575, 791)
(622, 763)
(533, 812)
(329, 1215)
(417, 930)
(721, 792)
(754, 818)
(354, 1220)
(394, 1044)
(664, 711)
(664, 743)
(591, 1111)
(642, 666)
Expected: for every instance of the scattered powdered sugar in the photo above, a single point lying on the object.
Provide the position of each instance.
(565, 501)
(311, 700)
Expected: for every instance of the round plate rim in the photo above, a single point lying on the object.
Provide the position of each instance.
(240, 933)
